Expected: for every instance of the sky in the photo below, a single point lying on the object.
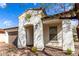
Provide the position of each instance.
(9, 12)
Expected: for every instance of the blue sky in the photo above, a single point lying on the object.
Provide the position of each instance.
(9, 12)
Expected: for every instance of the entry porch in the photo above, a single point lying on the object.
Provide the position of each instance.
(52, 34)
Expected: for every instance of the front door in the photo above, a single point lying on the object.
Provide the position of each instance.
(29, 36)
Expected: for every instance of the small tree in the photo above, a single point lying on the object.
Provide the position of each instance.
(57, 7)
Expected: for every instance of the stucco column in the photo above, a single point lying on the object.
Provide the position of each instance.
(68, 42)
(6, 37)
(38, 34)
(21, 34)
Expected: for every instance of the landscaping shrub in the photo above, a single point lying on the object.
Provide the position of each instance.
(28, 17)
(69, 51)
(34, 49)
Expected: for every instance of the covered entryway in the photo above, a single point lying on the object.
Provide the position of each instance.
(29, 35)
(52, 31)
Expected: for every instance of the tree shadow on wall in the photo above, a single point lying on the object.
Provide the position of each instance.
(15, 41)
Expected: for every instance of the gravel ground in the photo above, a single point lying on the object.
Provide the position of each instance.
(10, 50)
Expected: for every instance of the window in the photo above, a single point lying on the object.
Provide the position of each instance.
(53, 33)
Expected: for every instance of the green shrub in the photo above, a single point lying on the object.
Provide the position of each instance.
(69, 51)
(28, 17)
(34, 49)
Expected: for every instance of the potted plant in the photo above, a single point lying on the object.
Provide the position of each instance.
(34, 50)
(69, 51)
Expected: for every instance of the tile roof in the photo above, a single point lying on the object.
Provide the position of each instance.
(2, 31)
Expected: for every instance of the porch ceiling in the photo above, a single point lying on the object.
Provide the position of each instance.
(52, 21)
(28, 25)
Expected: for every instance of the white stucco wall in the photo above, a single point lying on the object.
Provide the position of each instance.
(21, 34)
(68, 42)
(4, 37)
(38, 33)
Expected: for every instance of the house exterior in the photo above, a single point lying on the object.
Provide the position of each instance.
(38, 29)
(4, 36)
